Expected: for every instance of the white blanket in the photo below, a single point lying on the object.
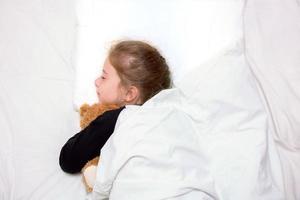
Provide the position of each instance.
(207, 139)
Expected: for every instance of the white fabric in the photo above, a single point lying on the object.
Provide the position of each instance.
(207, 139)
(37, 84)
(188, 32)
(272, 33)
(36, 112)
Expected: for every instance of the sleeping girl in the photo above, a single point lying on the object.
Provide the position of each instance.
(133, 72)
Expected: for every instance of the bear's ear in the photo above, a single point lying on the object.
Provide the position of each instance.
(83, 109)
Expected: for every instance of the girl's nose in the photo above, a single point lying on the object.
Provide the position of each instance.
(97, 82)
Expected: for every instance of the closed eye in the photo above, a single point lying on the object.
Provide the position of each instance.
(103, 75)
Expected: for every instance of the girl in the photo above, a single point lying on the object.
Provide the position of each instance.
(133, 72)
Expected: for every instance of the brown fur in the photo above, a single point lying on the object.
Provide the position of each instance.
(95, 162)
(87, 115)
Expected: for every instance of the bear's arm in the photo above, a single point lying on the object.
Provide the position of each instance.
(86, 144)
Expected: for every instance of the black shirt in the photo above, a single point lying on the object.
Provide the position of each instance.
(86, 144)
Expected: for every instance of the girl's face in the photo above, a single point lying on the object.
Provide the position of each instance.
(108, 86)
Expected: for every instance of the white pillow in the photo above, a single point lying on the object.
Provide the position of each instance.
(188, 32)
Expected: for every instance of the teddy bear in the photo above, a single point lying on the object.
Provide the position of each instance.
(87, 114)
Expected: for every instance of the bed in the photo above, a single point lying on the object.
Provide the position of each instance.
(49, 58)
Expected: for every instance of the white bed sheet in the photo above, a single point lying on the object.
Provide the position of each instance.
(36, 112)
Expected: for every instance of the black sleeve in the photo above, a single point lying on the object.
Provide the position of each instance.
(87, 144)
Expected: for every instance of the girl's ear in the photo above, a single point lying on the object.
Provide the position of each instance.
(132, 95)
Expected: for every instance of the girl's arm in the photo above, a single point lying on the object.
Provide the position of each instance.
(87, 144)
